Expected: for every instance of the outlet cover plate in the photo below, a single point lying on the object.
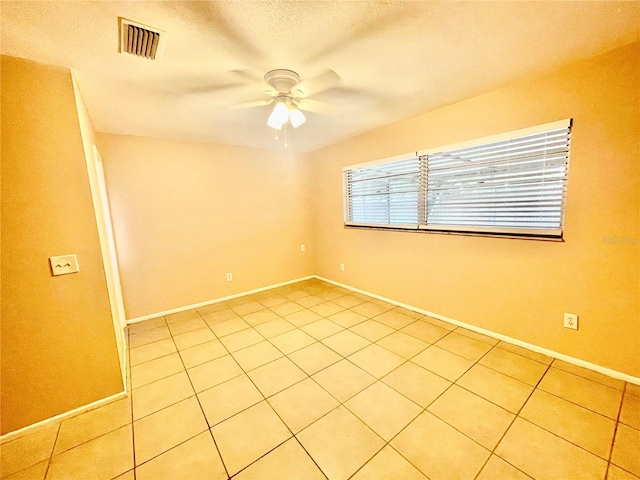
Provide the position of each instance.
(571, 321)
(64, 264)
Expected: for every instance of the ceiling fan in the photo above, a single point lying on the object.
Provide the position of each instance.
(290, 96)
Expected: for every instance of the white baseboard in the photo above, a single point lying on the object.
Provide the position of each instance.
(217, 300)
(58, 418)
(529, 346)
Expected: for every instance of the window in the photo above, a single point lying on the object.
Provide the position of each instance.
(514, 184)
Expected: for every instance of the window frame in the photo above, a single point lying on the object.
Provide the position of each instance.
(554, 234)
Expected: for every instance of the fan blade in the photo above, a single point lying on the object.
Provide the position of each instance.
(258, 103)
(316, 106)
(324, 81)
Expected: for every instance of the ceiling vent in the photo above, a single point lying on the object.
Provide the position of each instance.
(141, 40)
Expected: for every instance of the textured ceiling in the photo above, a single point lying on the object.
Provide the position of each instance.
(396, 59)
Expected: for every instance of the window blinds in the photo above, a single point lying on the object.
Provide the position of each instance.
(514, 185)
(383, 194)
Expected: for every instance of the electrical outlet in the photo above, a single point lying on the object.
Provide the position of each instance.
(229, 277)
(342, 267)
(571, 321)
(302, 247)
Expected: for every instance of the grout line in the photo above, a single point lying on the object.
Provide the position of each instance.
(615, 430)
(53, 448)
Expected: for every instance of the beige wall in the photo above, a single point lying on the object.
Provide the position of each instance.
(185, 214)
(58, 344)
(518, 288)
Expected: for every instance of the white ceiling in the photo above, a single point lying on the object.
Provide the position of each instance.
(396, 59)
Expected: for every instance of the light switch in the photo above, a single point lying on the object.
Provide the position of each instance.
(64, 264)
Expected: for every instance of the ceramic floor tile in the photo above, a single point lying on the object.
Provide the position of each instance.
(314, 358)
(158, 395)
(525, 445)
(394, 319)
(202, 353)
(504, 391)
(27, 450)
(587, 429)
(589, 374)
(195, 337)
(372, 330)
(148, 336)
(586, 393)
(310, 301)
(287, 462)
(229, 326)
(346, 342)
(220, 316)
(302, 317)
(228, 398)
(139, 327)
(438, 450)
(402, 344)
(330, 294)
(617, 473)
(92, 424)
(438, 323)
(185, 326)
(152, 351)
(103, 457)
(212, 308)
(516, 366)
(247, 307)
(369, 309)
(464, 346)
(153, 370)
(326, 309)
(633, 389)
(34, 472)
(630, 414)
(245, 437)
(408, 313)
(260, 317)
(625, 449)
(239, 340)
(214, 373)
(271, 300)
(476, 336)
(498, 469)
(348, 301)
(182, 316)
(295, 294)
(383, 409)
(276, 376)
(347, 318)
(274, 328)
(340, 443)
(167, 428)
(388, 465)
(343, 380)
(291, 341)
(302, 404)
(376, 360)
(287, 308)
(193, 459)
(538, 357)
(474, 416)
(416, 383)
(444, 363)
(425, 331)
(322, 328)
(256, 355)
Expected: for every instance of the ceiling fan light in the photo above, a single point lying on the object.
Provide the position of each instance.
(281, 112)
(274, 121)
(296, 117)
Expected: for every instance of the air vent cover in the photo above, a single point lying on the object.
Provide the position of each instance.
(141, 40)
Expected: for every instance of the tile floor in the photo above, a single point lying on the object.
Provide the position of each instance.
(313, 381)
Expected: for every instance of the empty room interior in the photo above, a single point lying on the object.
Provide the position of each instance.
(320, 240)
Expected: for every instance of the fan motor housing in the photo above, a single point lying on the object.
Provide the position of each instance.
(281, 79)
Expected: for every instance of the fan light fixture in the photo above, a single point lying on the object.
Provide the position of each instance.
(282, 114)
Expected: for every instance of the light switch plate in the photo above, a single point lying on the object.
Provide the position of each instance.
(63, 264)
